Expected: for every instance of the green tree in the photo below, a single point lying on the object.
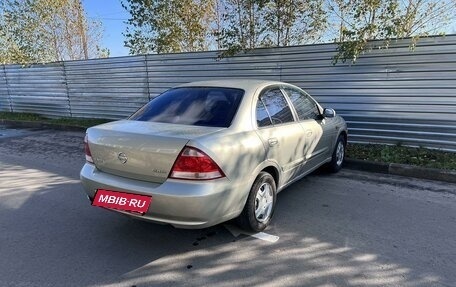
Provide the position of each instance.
(47, 30)
(294, 22)
(19, 40)
(243, 26)
(233, 26)
(360, 21)
(251, 24)
(166, 26)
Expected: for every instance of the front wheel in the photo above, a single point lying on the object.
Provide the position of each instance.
(338, 155)
(259, 208)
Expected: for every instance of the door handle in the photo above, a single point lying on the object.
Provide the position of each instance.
(273, 141)
(308, 133)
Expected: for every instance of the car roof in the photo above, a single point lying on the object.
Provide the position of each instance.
(245, 84)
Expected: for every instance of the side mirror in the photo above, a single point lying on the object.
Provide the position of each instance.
(329, 113)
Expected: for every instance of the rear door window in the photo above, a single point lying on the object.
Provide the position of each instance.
(262, 115)
(201, 106)
(273, 104)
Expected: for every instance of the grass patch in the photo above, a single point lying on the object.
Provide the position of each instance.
(80, 122)
(20, 116)
(77, 122)
(404, 155)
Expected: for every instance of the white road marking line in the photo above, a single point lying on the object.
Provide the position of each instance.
(265, 237)
(260, 235)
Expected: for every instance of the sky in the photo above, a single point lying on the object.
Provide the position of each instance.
(112, 15)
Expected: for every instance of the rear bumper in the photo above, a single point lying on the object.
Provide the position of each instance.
(183, 204)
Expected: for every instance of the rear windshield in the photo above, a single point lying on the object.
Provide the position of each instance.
(200, 106)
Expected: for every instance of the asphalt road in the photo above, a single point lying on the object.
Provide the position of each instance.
(348, 229)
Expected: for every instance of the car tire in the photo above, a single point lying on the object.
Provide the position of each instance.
(338, 155)
(260, 205)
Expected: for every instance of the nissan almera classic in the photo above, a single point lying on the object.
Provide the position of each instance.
(207, 152)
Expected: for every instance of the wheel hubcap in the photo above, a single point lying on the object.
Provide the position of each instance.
(263, 202)
(340, 153)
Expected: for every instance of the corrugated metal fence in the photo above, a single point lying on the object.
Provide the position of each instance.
(388, 96)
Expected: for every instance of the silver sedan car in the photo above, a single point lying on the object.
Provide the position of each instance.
(207, 152)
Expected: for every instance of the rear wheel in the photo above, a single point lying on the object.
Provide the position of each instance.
(258, 210)
(338, 155)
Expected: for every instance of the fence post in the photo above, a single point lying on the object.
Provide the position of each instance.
(147, 77)
(7, 89)
(66, 88)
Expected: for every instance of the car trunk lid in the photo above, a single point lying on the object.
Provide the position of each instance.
(140, 150)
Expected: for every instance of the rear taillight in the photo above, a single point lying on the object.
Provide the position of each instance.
(195, 164)
(88, 154)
